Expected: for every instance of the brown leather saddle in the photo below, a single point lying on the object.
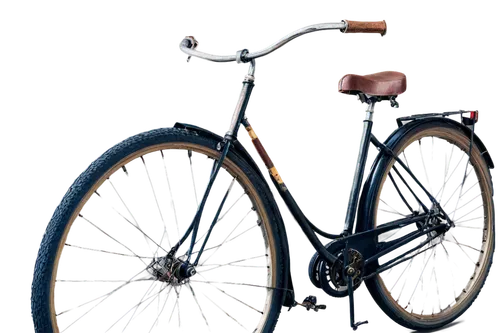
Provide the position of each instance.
(378, 84)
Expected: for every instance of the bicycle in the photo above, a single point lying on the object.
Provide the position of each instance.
(225, 249)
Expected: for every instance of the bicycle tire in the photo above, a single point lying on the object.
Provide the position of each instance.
(377, 287)
(60, 228)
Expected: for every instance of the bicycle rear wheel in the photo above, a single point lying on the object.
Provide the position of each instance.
(445, 276)
(100, 268)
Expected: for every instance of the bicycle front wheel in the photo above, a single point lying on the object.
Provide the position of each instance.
(443, 277)
(102, 265)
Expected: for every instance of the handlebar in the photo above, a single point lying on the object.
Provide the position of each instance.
(188, 44)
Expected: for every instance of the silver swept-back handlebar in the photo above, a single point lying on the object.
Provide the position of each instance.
(189, 44)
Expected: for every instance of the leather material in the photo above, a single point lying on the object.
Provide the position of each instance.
(378, 84)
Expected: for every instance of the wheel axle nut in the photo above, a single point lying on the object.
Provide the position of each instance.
(190, 271)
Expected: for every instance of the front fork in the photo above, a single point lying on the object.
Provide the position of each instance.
(224, 146)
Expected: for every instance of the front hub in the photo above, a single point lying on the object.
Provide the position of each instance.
(171, 269)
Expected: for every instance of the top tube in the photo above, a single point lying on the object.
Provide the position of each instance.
(189, 44)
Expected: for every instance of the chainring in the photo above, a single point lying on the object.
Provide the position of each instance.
(314, 270)
(329, 279)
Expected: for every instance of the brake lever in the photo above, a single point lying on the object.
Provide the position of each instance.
(194, 44)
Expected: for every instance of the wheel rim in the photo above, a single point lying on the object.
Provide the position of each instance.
(134, 214)
(443, 279)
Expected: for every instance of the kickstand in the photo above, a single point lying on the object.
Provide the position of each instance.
(350, 290)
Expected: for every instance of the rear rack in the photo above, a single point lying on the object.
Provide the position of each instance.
(467, 121)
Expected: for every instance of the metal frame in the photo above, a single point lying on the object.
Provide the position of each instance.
(364, 241)
(311, 231)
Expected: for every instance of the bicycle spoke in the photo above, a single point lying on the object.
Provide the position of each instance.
(237, 225)
(93, 303)
(172, 303)
(172, 202)
(465, 199)
(219, 245)
(463, 246)
(142, 302)
(444, 169)
(235, 299)
(231, 234)
(194, 293)
(476, 219)
(121, 254)
(155, 199)
(402, 274)
(88, 283)
(239, 262)
(423, 164)
(149, 239)
(458, 196)
(446, 177)
(227, 211)
(451, 175)
(228, 283)
(227, 314)
(155, 322)
(472, 211)
(390, 212)
(109, 235)
(146, 304)
(132, 220)
(468, 211)
(154, 196)
(192, 174)
(136, 278)
(473, 186)
(98, 298)
(420, 276)
(175, 311)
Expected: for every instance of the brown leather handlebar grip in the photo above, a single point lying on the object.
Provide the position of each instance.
(366, 27)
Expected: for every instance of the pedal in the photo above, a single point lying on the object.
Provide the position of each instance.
(310, 303)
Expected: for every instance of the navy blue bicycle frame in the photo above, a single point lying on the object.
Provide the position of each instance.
(311, 231)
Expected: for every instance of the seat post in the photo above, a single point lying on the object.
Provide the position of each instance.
(368, 108)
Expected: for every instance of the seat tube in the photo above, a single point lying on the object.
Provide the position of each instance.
(360, 168)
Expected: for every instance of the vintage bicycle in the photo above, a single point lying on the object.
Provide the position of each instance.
(176, 229)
